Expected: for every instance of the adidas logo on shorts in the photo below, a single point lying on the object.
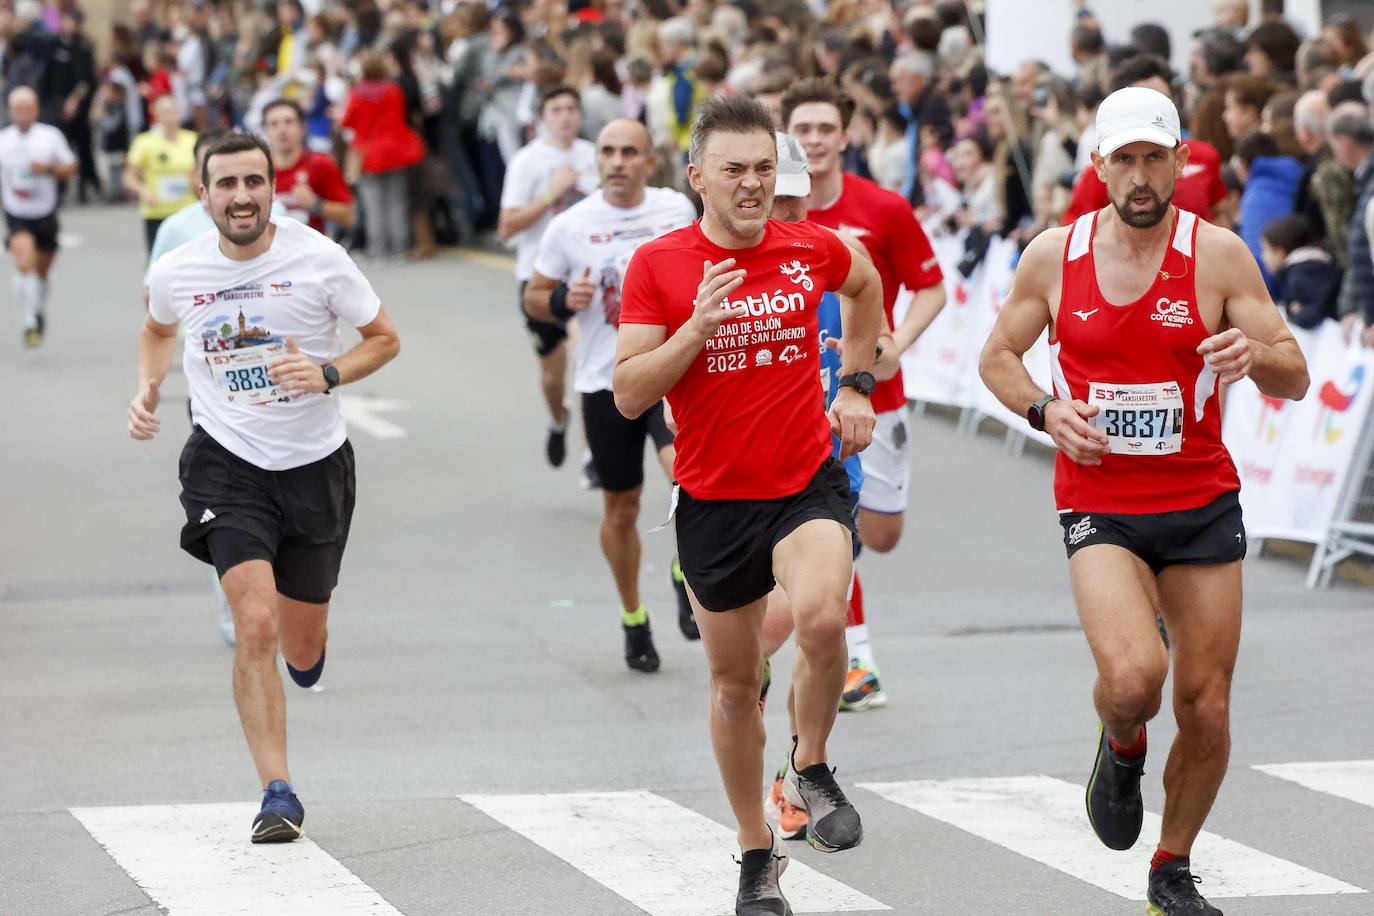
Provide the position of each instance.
(1081, 529)
(206, 516)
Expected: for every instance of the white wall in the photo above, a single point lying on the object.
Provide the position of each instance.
(1021, 30)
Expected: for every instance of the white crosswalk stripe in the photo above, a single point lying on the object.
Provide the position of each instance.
(196, 859)
(1352, 780)
(671, 861)
(664, 858)
(1043, 819)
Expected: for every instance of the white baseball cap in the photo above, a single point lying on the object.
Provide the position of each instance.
(794, 172)
(1134, 114)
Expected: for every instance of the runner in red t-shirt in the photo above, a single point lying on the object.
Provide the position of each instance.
(817, 113)
(1150, 310)
(720, 317)
(309, 184)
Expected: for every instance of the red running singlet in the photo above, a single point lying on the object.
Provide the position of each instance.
(1157, 398)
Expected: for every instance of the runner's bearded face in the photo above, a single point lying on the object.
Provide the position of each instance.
(1140, 181)
(819, 129)
(735, 180)
(239, 196)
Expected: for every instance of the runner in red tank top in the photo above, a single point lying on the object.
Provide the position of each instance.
(721, 317)
(817, 113)
(1149, 308)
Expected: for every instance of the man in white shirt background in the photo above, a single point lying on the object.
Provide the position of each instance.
(34, 157)
(547, 176)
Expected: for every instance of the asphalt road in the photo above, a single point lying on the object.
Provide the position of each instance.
(475, 687)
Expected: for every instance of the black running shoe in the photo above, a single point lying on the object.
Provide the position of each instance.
(556, 446)
(1173, 892)
(1115, 808)
(640, 653)
(834, 825)
(759, 893)
(686, 620)
(282, 816)
(591, 478)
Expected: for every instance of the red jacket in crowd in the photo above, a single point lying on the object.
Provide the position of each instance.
(382, 136)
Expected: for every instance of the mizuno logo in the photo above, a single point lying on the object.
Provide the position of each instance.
(1086, 315)
(207, 516)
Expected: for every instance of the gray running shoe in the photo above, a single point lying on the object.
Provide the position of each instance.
(759, 893)
(833, 824)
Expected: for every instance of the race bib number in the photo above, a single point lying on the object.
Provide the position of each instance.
(1139, 419)
(242, 374)
(25, 181)
(173, 187)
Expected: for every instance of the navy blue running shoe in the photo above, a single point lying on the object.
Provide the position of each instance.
(281, 817)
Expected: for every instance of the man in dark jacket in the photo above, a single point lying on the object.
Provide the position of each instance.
(1352, 143)
(68, 86)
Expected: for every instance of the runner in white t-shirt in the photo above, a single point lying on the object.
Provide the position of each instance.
(267, 475)
(547, 176)
(33, 158)
(578, 273)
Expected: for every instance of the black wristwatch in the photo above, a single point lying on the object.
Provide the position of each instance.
(1036, 415)
(331, 377)
(862, 382)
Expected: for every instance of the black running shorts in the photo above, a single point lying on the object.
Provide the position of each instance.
(546, 335)
(1214, 533)
(44, 230)
(297, 519)
(617, 444)
(726, 545)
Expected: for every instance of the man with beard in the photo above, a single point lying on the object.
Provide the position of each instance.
(267, 474)
(1148, 308)
(578, 274)
(721, 318)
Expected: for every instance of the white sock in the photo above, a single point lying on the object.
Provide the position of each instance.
(42, 293)
(856, 639)
(26, 294)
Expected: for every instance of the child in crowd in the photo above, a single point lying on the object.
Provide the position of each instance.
(1306, 278)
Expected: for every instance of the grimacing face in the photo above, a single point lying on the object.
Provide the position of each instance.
(239, 195)
(1140, 179)
(735, 179)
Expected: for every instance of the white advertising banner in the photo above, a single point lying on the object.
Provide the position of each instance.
(1293, 458)
(934, 369)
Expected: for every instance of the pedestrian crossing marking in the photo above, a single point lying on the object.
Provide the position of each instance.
(196, 859)
(1044, 820)
(1352, 780)
(665, 859)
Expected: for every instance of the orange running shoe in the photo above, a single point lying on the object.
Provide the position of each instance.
(791, 820)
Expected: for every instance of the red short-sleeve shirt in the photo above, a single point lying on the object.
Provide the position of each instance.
(887, 226)
(750, 411)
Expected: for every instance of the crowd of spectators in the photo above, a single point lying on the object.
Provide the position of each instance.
(424, 103)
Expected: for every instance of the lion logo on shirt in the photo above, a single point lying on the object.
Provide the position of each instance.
(798, 272)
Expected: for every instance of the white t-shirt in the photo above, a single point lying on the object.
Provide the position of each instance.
(26, 195)
(527, 179)
(298, 288)
(595, 234)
